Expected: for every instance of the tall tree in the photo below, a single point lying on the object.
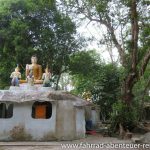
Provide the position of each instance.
(126, 21)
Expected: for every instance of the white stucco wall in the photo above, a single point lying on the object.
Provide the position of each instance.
(38, 128)
(80, 122)
(65, 126)
(66, 123)
(94, 117)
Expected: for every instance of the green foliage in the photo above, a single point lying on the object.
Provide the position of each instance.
(84, 63)
(106, 90)
(122, 113)
(30, 27)
(90, 75)
(82, 66)
(141, 92)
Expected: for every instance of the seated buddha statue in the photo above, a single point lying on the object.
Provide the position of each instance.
(35, 70)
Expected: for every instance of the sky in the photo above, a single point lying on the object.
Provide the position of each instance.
(94, 31)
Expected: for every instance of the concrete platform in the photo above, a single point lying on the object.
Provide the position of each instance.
(26, 87)
(30, 143)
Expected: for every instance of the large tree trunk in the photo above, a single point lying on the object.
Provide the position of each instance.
(131, 78)
(128, 87)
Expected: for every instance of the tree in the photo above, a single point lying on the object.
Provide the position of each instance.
(95, 80)
(30, 27)
(141, 90)
(126, 21)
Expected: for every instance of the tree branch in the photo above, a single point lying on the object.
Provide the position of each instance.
(144, 63)
(107, 23)
(111, 30)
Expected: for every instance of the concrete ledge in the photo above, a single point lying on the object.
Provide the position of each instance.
(27, 87)
(135, 140)
(30, 143)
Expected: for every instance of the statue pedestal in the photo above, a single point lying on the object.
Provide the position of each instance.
(35, 82)
(26, 87)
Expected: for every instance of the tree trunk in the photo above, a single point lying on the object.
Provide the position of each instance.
(127, 91)
(57, 81)
(128, 85)
(132, 76)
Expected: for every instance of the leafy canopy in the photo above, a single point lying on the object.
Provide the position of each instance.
(30, 27)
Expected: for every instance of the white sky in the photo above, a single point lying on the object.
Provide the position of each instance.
(94, 31)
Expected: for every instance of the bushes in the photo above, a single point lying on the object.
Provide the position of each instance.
(127, 116)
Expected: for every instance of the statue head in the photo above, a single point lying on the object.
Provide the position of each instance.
(47, 70)
(17, 68)
(34, 59)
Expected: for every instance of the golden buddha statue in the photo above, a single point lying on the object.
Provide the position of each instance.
(34, 70)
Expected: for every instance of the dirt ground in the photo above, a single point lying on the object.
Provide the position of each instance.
(97, 141)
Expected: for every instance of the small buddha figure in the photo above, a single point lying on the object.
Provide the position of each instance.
(46, 77)
(34, 70)
(16, 76)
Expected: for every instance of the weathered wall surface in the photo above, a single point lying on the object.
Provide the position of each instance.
(80, 122)
(88, 113)
(67, 123)
(92, 114)
(22, 121)
(65, 120)
(95, 116)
